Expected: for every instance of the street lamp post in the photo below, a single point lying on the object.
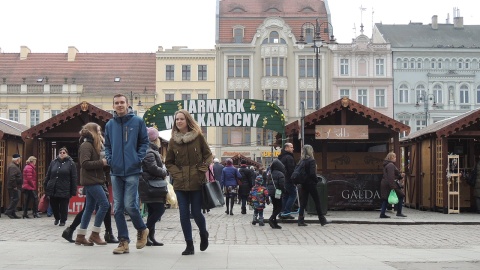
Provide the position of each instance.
(425, 98)
(302, 122)
(136, 96)
(317, 44)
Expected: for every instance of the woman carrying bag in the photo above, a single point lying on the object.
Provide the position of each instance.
(30, 187)
(390, 174)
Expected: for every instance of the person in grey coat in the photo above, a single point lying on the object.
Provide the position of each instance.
(217, 170)
(14, 184)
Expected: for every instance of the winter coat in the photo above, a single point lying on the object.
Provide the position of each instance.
(187, 158)
(288, 161)
(126, 142)
(230, 175)
(14, 174)
(311, 171)
(209, 174)
(91, 166)
(217, 171)
(248, 180)
(61, 178)
(390, 174)
(29, 177)
(258, 196)
(277, 171)
(153, 169)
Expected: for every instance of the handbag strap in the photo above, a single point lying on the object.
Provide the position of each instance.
(211, 174)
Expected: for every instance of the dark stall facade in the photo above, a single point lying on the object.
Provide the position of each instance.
(62, 130)
(350, 142)
(438, 160)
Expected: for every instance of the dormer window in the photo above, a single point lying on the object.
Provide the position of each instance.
(117, 79)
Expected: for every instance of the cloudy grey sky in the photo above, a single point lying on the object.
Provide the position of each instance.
(143, 25)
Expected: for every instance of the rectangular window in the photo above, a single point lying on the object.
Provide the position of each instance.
(186, 96)
(34, 117)
(202, 72)
(55, 112)
(236, 136)
(380, 98)
(344, 67)
(169, 97)
(202, 96)
(464, 96)
(421, 124)
(305, 67)
(185, 72)
(307, 97)
(13, 115)
(238, 35)
(344, 93)
(274, 66)
(380, 67)
(170, 73)
(362, 97)
(405, 122)
(238, 67)
(403, 95)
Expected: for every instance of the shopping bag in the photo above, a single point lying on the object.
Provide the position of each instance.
(212, 195)
(171, 197)
(392, 198)
(43, 204)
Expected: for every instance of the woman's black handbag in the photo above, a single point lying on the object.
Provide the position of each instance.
(156, 188)
(212, 195)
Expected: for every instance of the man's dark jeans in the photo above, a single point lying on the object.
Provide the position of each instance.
(289, 198)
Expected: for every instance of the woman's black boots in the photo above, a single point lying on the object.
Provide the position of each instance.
(203, 241)
(190, 250)
(151, 239)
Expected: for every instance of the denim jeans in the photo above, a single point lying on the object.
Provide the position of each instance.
(193, 200)
(95, 195)
(384, 207)
(125, 198)
(289, 198)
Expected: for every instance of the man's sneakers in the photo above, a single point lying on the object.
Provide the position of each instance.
(142, 238)
(287, 216)
(122, 247)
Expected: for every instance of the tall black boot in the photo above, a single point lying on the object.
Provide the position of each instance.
(244, 210)
(110, 238)
(203, 241)
(323, 220)
(190, 250)
(151, 238)
(68, 234)
(301, 221)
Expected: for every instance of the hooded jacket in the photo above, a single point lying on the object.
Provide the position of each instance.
(29, 177)
(288, 161)
(277, 171)
(91, 172)
(186, 160)
(126, 142)
(248, 180)
(152, 169)
(61, 178)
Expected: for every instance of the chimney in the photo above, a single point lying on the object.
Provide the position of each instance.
(458, 22)
(24, 51)
(434, 22)
(72, 53)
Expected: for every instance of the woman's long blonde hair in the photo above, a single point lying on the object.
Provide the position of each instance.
(307, 151)
(390, 156)
(191, 123)
(92, 128)
(30, 159)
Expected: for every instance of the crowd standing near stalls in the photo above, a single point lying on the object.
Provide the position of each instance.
(126, 142)
(187, 160)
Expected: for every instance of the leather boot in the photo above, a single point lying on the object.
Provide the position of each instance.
(68, 234)
(244, 210)
(204, 241)
(190, 250)
(323, 220)
(110, 238)
(81, 240)
(36, 215)
(151, 238)
(95, 237)
(301, 221)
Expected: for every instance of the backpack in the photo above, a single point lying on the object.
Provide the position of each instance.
(472, 177)
(299, 175)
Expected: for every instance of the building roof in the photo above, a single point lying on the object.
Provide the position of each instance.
(68, 115)
(332, 108)
(11, 128)
(418, 35)
(446, 127)
(95, 71)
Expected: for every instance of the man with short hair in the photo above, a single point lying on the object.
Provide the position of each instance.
(14, 184)
(217, 170)
(126, 143)
(286, 157)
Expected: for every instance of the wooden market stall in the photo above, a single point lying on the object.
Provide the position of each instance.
(10, 143)
(350, 142)
(438, 158)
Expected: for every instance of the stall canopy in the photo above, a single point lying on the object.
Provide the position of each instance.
(8, 127)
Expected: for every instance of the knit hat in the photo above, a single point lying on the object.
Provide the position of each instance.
(152, 134)
(259, 180)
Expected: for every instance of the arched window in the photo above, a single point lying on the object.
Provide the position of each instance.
(432, 63)
(419, 91)
(238, 35)
(412, 63)
(403, 93)
(464, 94)
(405, 63)
(439, 63)
(460, 64)
(419, 63)
(274, 37)
(437, 92)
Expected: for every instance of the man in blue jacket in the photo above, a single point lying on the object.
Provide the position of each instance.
(126, 143)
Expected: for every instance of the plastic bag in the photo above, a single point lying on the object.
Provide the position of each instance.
(392, 198)
(171, 197)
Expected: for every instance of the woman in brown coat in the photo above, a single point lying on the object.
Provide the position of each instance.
(390, 175)
(187, 160)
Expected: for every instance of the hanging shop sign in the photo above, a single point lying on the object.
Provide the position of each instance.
(341, 132)
(219, 113)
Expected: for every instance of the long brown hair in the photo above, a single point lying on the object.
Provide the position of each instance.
(92, 129)
(191, 123)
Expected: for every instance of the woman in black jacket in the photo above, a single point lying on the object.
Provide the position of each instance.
(153, 169)
(309, 187)
(61, 184)
(276, 180)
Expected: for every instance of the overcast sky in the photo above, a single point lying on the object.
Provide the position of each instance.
(143, 25)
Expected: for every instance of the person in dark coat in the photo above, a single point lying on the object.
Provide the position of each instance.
(217, 170)
(390, 174)
(14, 184)
(61, 184)
(153, 169)
(309, 187)
(230, 180)
(286, 157)
(276, 180)
(246, 184)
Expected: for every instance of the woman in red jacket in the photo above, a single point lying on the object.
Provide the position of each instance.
(30, 187)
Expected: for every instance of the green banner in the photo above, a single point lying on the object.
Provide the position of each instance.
(219, 113)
